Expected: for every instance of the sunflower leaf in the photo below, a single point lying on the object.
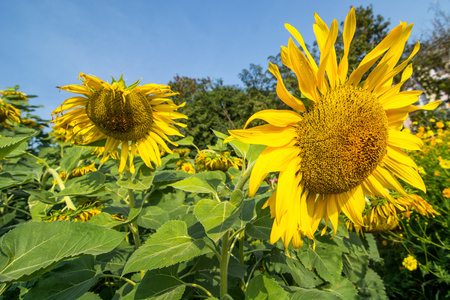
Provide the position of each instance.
(9, 144)
(216, 217)
(67, 281)
(264, 287)
(71, 158)
(34, 246)
(83, 185)
(170, 244)
(161, 284)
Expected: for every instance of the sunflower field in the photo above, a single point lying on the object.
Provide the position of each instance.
(328, 196)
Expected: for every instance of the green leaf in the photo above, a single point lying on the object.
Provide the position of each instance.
(7, 181)
(285, 264)
(216, 217)
(310, 294)
(43, 196)
(19, 151)
(328, 264)
(37, 245)
(372, 286)
(263, 287)
(9, 144)
(253, 153)
(167, 177)
(114, 261)
(170, 244)
(38, 209)
(343, 289)
(153, 217)
(71, 158)
(141, 181)
(355, 267)
(373, 249)
(194, 185)
(260, 229)
(105, 220)
(161, 284)
(236, 198)
(187, 141)
(214, 178)
(90, 296)
(68, 280)
(84, 185)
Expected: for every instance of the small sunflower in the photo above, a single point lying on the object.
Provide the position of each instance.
(347, 143)
(138, 118)
(8, 114)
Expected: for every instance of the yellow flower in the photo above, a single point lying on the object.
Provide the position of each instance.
(444, 163)
(438, 141)
(347, 144)
(406, 130)
(138, 118)
(29, 123)
(8, 114)
(410, 263)
(446, 193)
(440, 124)
(432, 120)
(210, 161)
(78, 172)
(437, 173)
(421, 129)
(188, 168)
(415, 123)
(430, 132)
(15, 95)
(421, 170)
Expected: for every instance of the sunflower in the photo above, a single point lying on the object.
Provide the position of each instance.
(346, 143)
(138, 118)
(8, 114)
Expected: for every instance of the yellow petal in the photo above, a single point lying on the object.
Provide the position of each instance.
(349, 32)
(299, 39)
(271, 160)
(283, 93)
(402, 99)
(404, 140)
(268, 135)
(123, 156)
(279, 118)
(352, 204)
(406, 173)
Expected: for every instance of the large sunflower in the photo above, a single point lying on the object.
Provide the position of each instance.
(347, 144)
(138, 118)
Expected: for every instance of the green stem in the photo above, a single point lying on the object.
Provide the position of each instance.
(119, 277)
(224, 266)
(133, 226)
(244, 178)
(199, 287)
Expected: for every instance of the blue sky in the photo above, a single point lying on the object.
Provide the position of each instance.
(47, 43)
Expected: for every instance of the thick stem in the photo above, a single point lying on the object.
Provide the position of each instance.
(244, 178)
(133, 226)
(224, 266)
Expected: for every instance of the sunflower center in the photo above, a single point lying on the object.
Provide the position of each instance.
(123, 116)
(341, 139)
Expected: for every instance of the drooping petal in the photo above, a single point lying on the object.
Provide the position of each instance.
(275, 117)
(271, 160)
(268, 135)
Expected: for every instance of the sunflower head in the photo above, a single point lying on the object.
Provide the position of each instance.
(139, 119)
(346, 144)
(8, 114)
